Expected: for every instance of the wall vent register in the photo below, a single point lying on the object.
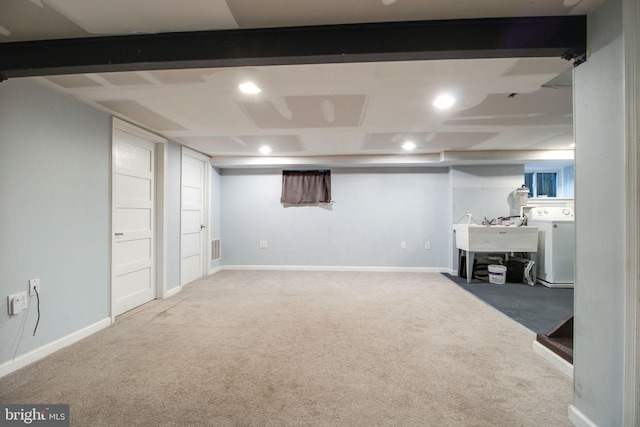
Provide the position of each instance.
(215, 249)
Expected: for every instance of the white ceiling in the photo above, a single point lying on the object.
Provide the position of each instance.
(323, 113)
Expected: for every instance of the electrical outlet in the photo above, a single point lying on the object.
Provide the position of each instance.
(403, 245)
(17, 303)
(427, 245)
(34, 285)
(263, 244)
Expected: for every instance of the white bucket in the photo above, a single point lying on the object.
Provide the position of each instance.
(497, 274)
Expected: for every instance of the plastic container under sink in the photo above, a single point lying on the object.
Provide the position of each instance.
(497, 274)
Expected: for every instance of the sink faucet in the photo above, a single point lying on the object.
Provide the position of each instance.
(488, 222)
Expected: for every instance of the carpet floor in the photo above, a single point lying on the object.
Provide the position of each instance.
(285, 348)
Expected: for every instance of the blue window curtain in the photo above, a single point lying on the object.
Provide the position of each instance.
(541, 184)
(306, 187)
(528, 182)
(546, 184)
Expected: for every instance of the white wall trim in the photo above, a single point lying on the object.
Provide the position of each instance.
(557, 361)
(215, 270)
(339, 268)
(578, 418)
(171, 292)
(41, 352)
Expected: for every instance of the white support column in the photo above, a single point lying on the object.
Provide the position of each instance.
(631, 402)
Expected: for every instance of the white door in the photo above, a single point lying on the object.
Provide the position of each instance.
(193, 248)
(133, 222)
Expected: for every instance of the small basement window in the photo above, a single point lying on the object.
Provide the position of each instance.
(541, 184)
(306, 187)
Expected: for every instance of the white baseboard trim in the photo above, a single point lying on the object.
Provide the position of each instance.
(338, 268)
(171, 292)
(214, 270)
(578, 418)
(47, 349)
(557, 361)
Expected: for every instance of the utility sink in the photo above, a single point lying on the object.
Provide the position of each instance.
(474, 238)
(496, 238)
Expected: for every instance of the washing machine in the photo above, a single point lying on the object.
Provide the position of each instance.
(556, 245)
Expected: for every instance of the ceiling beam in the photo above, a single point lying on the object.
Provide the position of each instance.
(563, 36)
(445, 158)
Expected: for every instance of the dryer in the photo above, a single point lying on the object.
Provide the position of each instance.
(556, 245)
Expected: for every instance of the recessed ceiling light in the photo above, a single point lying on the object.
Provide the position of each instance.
(265, 150)
(444, 101)
(408, 146)
(250, 88)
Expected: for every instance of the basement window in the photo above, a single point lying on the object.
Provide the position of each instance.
(541, 184)
(306, 187)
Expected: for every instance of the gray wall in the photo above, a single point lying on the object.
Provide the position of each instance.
(600, 221)
(374, 210)
(484, 190)
(54, 214)
(174, 165)
(568, 182)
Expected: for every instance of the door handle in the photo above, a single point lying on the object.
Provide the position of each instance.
(202, 226)
(119, 234)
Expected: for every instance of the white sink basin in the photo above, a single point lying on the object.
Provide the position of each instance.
(496, 238)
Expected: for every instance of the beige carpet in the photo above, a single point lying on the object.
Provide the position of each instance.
(265, 348)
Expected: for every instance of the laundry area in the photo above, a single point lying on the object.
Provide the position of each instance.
(517, 253)
(537, 246)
